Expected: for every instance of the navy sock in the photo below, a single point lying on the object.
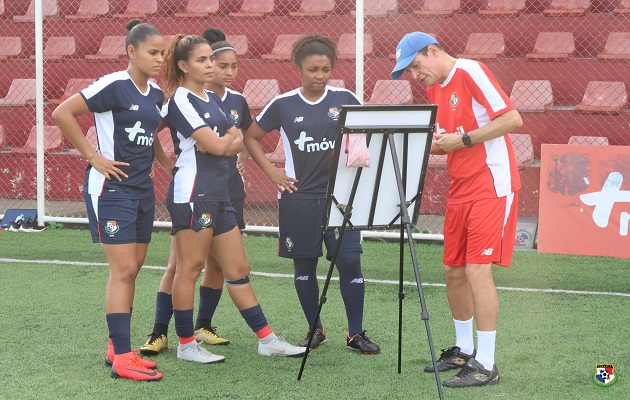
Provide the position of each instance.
(307, 288)
(352, 289)
(163, 312)
(208, 302)
(184, 323)
(255, 318)
(119, 325)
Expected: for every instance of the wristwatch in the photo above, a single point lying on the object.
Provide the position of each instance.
(466, 140)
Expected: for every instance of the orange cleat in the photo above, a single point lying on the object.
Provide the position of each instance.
(109, 357)
(131, 366)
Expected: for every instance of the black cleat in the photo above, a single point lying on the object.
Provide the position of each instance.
(474, 374)
(451, 358)
(319, 338)
(361, 342)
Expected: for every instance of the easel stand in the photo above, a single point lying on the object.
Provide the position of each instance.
(385, 203)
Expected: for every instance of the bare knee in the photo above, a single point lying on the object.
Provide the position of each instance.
(124, 274)
(237, 271)
(454, 275)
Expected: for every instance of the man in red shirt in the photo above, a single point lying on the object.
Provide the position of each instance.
(474, 115)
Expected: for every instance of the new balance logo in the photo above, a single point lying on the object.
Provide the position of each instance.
(134, 107)
(302, 278)
(303, 143)
(140, 140)
(298, 119)
(487, 252)
(357, 280)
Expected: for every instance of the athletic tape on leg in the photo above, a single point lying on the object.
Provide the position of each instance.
(238, 282)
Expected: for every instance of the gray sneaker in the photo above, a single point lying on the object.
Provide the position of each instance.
(280, 347)
(194, 352)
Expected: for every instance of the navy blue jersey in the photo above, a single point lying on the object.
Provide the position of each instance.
(308, 131)
(196, 176)
(238, 110)
(126, 120)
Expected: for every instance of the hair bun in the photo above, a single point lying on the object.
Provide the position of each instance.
(213, 35)
(133, 23)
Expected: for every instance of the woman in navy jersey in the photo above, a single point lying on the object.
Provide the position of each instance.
(202, 217)
(307, 118)
(118, 188)
(211, 287)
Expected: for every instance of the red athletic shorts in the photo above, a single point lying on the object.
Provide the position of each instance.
(481, 231)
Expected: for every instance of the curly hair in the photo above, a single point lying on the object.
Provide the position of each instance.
(310, 45)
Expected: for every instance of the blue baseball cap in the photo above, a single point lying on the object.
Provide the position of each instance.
(407, 49)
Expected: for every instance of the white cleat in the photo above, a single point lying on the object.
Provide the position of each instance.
(280, 347)
(194, 352)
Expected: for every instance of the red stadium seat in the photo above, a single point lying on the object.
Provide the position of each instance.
(49, 9)
(239, 42)
(259, 92)
(58, 48)
(391, 92)
(339, 83)
(617, 47)
(439, 8)
(90, 10)
(2, 142)
(532, 95)
(484, 46)
(10, 47)
(503, 8)
(91, 138)
(604, 97)
(347, 46)
(112, 49)
(139, 9)
(623, 8)
(568, 7)
(21, 92)
(53, 141)
(282, 48)
(199, 9)
(75, 85)
(314, 9)
(378, 8)
(553, 46)
(254, 9)
(589, 140)
(523, 149)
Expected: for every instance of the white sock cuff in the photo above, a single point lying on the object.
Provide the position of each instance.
(457, 321)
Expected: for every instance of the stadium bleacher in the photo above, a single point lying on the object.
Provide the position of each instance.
(550, 93)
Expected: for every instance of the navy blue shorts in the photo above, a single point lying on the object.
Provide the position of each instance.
(238, 205)
(120, 221)
(201, 215)
(301, 230)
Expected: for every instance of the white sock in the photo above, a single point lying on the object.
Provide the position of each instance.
(269, 338)
(485, 348)
(464, 336)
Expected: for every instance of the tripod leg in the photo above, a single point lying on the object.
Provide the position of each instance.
(401, 296)
(405, 221)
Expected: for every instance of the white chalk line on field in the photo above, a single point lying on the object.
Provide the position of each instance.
(274, 275)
